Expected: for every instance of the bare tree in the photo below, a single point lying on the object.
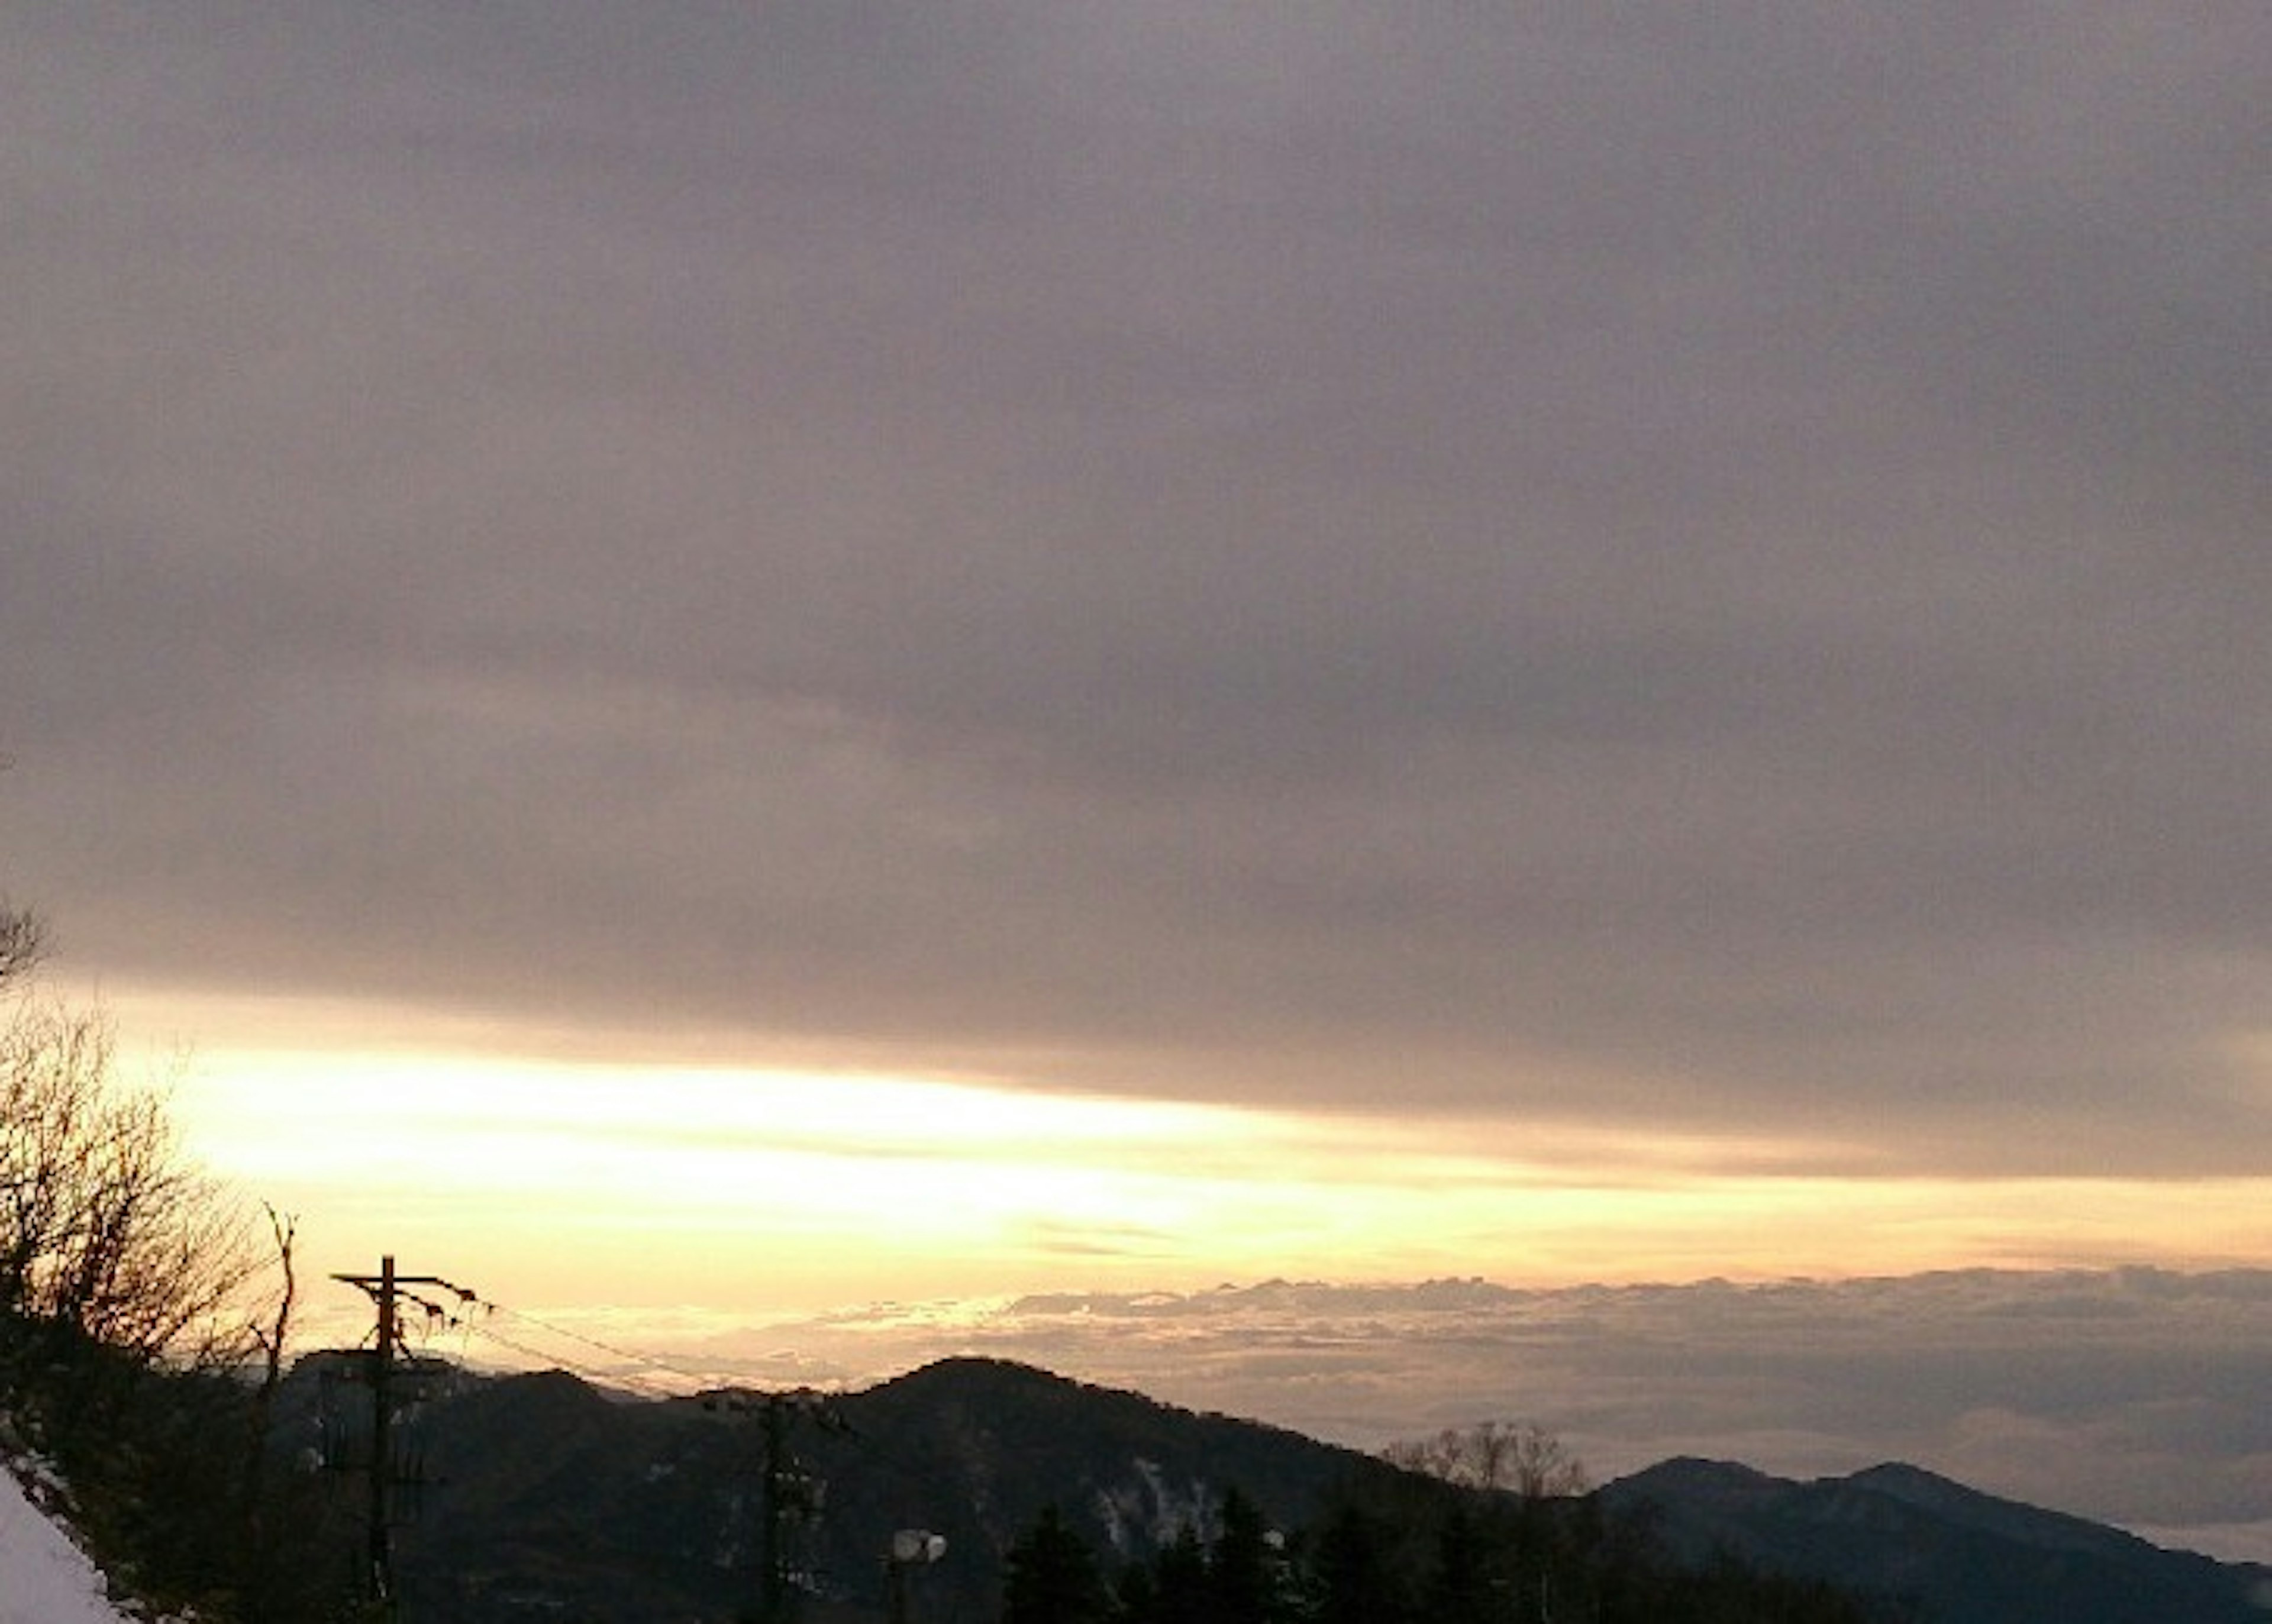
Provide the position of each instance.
(23, 938)
(283, 1228)
(23, 933)
(107, 1232)
(52, 1067)
(1520, 1457)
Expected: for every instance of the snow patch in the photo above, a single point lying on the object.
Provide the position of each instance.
(44, 1578)
(1149, 1508)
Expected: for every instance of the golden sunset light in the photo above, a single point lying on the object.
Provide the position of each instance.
(806, 1191)
(1359, 712)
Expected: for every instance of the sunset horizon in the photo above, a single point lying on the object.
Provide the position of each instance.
(705, 666)
(794, 1190)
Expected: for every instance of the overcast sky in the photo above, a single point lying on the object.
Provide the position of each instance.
(1683, 567)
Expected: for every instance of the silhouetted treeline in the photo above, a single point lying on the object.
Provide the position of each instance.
(165, 1484)
(124, 1362)
(1419, 1556)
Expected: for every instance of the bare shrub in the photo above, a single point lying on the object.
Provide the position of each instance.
(1520, 1458)
(107, 1232)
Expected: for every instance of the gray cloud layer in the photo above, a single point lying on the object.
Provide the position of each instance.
(2134, 1397)
(1704, 566)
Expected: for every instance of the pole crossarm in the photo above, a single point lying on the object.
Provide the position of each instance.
(386, 1289)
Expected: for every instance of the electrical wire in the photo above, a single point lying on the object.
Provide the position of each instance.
(482, 1324)
(635, 1377)
(599, 1378)
(644, 1361)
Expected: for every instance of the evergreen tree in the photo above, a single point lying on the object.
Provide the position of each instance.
(1051, 1577)
(1354, 1571)
(1241, 1566)
(1461, 1591)
(1174, 1589)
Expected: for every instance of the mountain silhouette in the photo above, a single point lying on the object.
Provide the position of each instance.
(1957, 1555)
(546, 1498)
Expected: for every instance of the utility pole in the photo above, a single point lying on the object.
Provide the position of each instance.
(386, 1289)
(773, 1605)
(787, 1491)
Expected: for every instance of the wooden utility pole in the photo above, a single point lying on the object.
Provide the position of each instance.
(788, 1493)
(384, 1290)
(773, 1605)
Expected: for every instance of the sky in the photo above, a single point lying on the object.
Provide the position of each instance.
(749, 657)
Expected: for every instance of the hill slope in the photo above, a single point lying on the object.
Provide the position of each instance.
(544, 1491)
(1963, 1557)
(547, 1499)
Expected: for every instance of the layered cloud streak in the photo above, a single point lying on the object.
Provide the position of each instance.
(1686, 570)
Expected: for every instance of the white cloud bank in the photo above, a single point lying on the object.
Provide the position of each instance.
(2133, 1396)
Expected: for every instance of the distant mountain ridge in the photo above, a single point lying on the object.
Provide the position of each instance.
(1960, 1556)
(546, 1494)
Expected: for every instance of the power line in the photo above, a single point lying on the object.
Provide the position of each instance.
(452, 1319)
(787, 1496)
(646, 1388)
(644, 1361)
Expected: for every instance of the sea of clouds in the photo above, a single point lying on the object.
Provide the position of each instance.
(2135, 1396)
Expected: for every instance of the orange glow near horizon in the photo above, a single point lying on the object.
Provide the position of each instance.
(765, 1192)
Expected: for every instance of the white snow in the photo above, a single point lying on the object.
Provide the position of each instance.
(44, 1578)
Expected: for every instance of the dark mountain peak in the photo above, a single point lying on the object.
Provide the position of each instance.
(1008, 1388)
(977, 1370)
(549, 1387)
(547, 1397)
(999, 1387)
(1899, 1532)
(1910, 1482)
(1953, 1502)
(1691, 1478)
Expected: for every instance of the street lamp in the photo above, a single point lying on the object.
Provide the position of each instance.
(911, 1548)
